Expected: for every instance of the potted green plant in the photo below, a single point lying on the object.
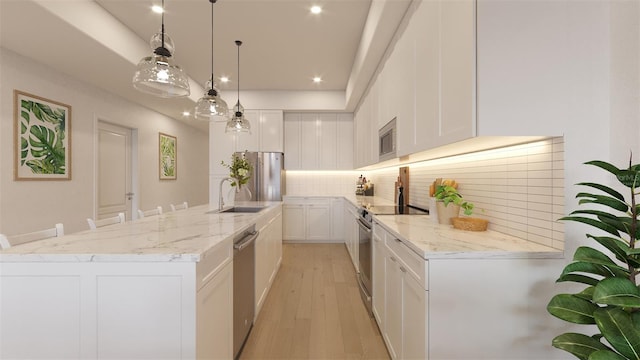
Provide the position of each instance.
(240, 171)
(449, 202)
(611, 299)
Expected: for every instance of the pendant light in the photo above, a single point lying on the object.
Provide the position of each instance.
(211, 106)
(238, 123)
(158, 74)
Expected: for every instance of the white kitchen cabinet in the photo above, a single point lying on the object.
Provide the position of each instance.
(318, 141)
(457, 71)
(294, 221)
(344, 145)
(350, 230)
(266, 135)
(311, 219)
(268, 255)
(318, 219)
(271, 131)
(378, 276)
(366, 134)
(400, 296)
(292, 145)
(337, 219)
(214, 309)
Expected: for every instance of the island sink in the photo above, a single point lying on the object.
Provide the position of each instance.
(243, 209)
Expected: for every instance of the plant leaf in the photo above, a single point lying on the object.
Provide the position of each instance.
(606, 355)
(617, 291)
(603, 200)
(578, 344)
(581, 279)
(618, 327)
(47, 148)
(593, 222)
(617, 247)
(585, 267)
(603, 188)
(586, 294)
(591, 255)
(572, 308)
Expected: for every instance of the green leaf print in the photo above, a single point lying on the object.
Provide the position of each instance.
(48, 151)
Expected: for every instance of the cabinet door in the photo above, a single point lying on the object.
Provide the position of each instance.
(318, 221)
(309, 141)
(344, 149)
(263, 267)
(425, 25)
(393, 306)
(292, 141)
(327, 130)
(249, 141)
(271, 131)
(293, 222)
(378, 277)
(214, 314)
(337, 219)
(414, 318)
(457, 71)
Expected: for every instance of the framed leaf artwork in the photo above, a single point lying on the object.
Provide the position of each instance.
(168, 157)
(42, 138)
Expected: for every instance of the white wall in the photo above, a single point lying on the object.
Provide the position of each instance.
(32, 205)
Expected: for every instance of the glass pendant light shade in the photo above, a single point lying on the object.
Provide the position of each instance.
(210, 106)
(238, 123)
(158, 74)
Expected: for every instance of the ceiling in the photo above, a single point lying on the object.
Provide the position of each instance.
(284, 45)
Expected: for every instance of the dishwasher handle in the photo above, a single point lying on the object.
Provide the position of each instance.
(364, 226)
(246, 241)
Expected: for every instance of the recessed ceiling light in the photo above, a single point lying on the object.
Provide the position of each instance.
(186, 113)
(316, 9)
(224, 79)
(317, 79)
(157, 9)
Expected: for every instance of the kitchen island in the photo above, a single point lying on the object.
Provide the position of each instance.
(157, 287)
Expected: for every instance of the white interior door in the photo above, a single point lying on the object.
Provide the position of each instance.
(114, 171)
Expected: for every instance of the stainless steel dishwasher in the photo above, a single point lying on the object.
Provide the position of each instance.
(243, 287)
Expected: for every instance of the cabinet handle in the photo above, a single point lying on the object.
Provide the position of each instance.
(392, 259)
(403, 269)
(398, 240)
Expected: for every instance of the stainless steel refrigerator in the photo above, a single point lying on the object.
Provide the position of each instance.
(267, 182)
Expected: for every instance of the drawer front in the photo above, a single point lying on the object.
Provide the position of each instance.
(414, 264)
(213, 261)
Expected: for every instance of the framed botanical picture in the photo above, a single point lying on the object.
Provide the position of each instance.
(42, 138)
(168, 157)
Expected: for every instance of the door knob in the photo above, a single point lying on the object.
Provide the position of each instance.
(129, 195)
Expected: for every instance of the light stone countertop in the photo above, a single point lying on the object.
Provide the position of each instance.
(173, 236)
(435, 241)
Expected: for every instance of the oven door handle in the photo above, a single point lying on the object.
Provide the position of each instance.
(363, 225)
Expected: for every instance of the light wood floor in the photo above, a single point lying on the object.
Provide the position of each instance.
(314, 310)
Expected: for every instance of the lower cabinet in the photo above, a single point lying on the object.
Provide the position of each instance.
(400, 296)
(311, 219)
(214, 316)
(268, 257)
(378, 276)
(350, 232)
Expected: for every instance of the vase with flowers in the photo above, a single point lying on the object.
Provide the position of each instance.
(240, 171)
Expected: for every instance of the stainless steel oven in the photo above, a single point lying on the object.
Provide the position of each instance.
(365, 255)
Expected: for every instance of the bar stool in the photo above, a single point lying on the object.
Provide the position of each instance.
(152, 212)
(9, 241)
(118, 219)
(182, 206)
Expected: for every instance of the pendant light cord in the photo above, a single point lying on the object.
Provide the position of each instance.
(212, 2)
(162, 28)
(238, 42)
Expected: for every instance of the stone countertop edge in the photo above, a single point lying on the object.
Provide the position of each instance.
(179, 236)
(435, 241)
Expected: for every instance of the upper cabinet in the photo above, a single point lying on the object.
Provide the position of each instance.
(266, 135)
(318, 141)
(527, 76)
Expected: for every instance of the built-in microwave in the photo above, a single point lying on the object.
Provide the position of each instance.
(387, 141)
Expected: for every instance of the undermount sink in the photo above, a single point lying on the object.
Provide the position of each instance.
(243, 209)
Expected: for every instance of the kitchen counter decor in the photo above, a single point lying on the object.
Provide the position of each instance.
(469, 223)
(240, 171)
(449, 201)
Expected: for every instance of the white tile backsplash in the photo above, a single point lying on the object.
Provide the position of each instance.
(519, 189)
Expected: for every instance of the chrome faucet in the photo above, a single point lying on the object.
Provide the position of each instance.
(220, 201)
